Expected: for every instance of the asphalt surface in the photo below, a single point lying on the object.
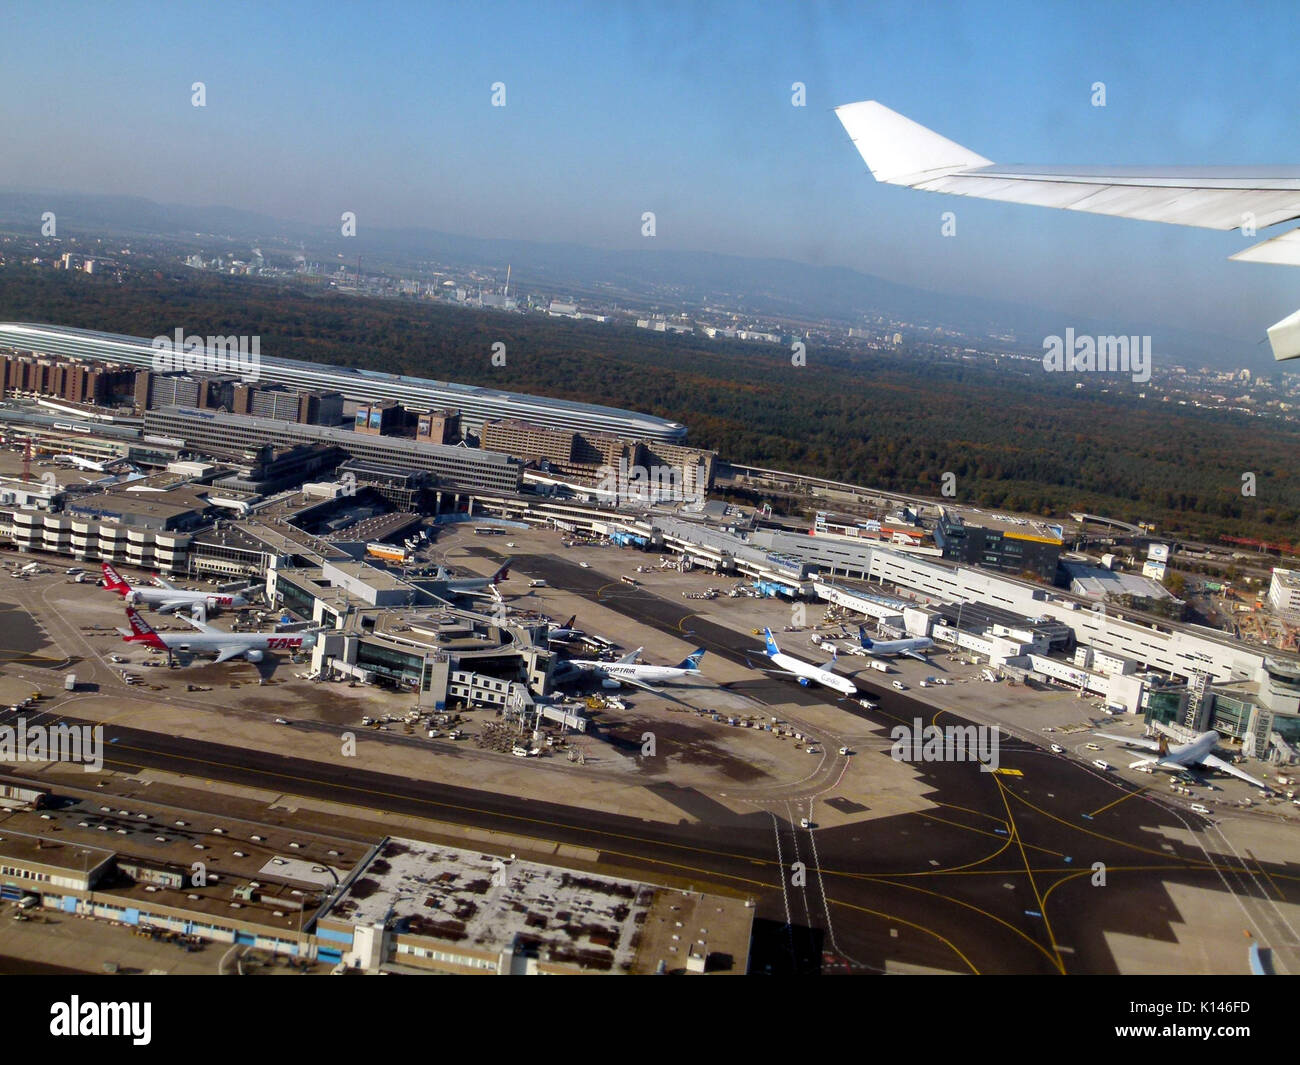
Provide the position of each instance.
(999, 876)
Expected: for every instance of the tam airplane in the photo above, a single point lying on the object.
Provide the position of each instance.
(208, 640)
(167, 598)
(804, 672)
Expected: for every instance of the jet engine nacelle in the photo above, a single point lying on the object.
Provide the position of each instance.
(611, 684)
(253, 656)
(803, 682)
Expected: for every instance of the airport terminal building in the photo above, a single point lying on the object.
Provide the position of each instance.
(476, 404)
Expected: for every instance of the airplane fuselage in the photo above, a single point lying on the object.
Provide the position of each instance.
(805, 671)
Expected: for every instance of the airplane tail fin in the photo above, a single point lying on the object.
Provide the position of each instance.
(900, 151)
(113, 580)
(141, 630)
(502, 574)
(692, 660)
(864, 639)
(568, 625)
(1162, 745)
(772, 648)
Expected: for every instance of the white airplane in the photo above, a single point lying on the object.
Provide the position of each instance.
(902, 152)
(627, 670)
(167, 598)
(1199, 752)
(804, 672)
(911, 647)
(444, 584)
(227, 645)
(80, 463)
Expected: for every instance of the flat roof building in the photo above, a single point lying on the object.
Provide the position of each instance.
(475, 403)
(470, 467)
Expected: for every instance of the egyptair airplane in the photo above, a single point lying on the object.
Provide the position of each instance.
(902, 152)
(1199, 752)
(627, 670)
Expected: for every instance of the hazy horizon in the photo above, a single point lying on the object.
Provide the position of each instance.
(685, 111)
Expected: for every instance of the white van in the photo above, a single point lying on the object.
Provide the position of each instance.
(900, 685)
(539, 583)
(1199, 808)
(1100, 764)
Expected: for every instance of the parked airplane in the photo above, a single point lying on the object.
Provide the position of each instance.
(227, 645)
(167, 598)
(81, 464)
(1199, 752)
(902, 152)
(566, 632)
(804, 672)
(445, 584)
(911, 647)
(627, 670)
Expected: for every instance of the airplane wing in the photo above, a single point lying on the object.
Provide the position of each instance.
(917, 655)
(629, 658)
(652, 690)
(172, 604)
(899, 151)
(1137, 741)
(201, 626)
(163, 584)
(230, 652)
(1213, 761)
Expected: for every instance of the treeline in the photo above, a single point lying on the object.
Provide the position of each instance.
(1014, 438)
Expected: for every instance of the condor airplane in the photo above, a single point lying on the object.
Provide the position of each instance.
(902, 152)
(166, 598)
(227, 645)
(911, 647)
(804, 672)
(1198, 753)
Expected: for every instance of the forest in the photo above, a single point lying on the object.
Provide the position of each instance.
(1014, 438)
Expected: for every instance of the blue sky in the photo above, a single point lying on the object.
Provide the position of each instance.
(685, 110)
